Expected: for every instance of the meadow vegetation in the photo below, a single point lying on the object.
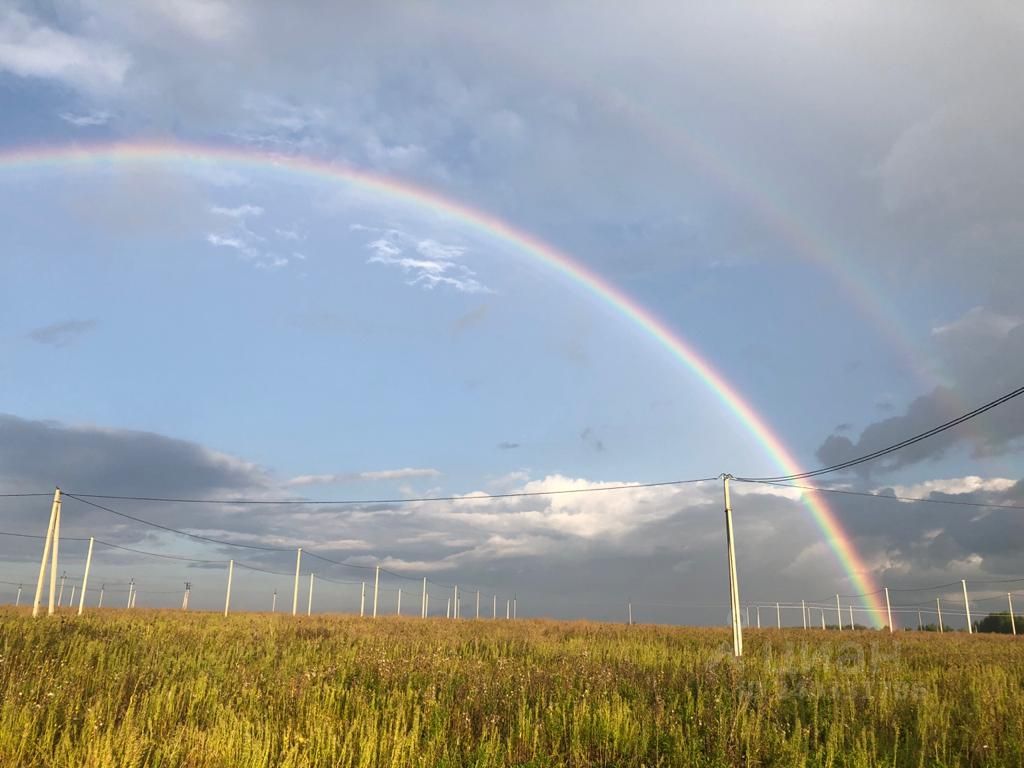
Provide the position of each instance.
(198, 690)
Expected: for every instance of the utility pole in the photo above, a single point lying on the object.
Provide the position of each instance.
(851, 618)
(227, 598)
(888, 609)
(309, 605)
(60, 594)
(423, 601)
(778, 616)
(967, 607)
(85, 578)
(362, 601)
(920, 622)
(131, 591)
(48, 549)
(1013, 621)
(295, 595)
(102, 587)
(17, 600)
(734, 589)
(494, 608)
(758, 609)
(839, 613)
(630, 609)
(184, 597)
(803, 612)
(478, 604)
(455, 602)
(938, 610)
(398, 608)
(273, 603)
(376, 589)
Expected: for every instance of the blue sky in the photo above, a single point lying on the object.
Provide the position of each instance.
(300, 336)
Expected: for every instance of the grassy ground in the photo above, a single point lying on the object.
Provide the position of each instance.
(162, 689)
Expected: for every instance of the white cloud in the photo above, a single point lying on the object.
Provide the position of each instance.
(405, 473)
(209, 20)
(29, 48)
(954, 486)
(433, 263)
(979, 321)
(87, 120)
(238, 212)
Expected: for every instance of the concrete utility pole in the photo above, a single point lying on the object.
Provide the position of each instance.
(227, 598)
(1013, 621)
(448, 610)
(888, 609)
(515, 606)
(920, 622)
(478, 603)
(423, 601)
(295, 595)
(273, 602)
(49, 549)
(455, 601)
(778, 616)
(508, 610)
(60, 594)
(757, 608)
(823, 618)
(100, 603)
(803, 612)
(85, 578)
(839, 612)
(376, 589)
(17, 600)
(851, 618)
(131, 591)
(71, 602)
(398, 608)
(184, 597)
(734, 588)
(938, 610)
(362, 601)
(967, 607)
(630, 610)
(494, 608)
(309, 605)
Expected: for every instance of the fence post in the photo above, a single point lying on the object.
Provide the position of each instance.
(967, 607)
(295, 595)
(778, 616)
(938, 610)
(37, 602)
(227, 597)
(376, 589)
(1013, 621)
(362, 601)
(85, 578)
(423, 601)
(888, 609)
(309, 605)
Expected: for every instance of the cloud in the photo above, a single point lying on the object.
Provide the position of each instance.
(238, 212)
(62, 334)
(29, 48)
(434, 263)
(87, 120)
(241, 238)
(405, 473)
(505, 445)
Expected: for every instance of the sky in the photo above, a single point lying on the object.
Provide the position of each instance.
(823, 203)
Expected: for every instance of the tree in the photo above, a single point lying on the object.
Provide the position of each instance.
(999, 623)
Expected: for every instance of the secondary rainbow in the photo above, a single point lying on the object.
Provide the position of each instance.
(100, 155)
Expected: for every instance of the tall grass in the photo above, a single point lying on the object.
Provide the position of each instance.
(163, 689)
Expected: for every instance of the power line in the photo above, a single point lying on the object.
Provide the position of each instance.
(406, 500)
(34, 536)
(896, 446)
(893, 497)
(157, 554)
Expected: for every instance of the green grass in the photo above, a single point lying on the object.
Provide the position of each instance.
(166, 689)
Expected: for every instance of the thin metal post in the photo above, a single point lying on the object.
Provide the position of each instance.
(839, 612)
(295, 595)
(938, 610)
(888, 609)
(362, 601)
(309, 605)
(734, 588)
(85, 578)
(227, 597)
(967, 607)
(53, 559)
(376, 589)
(423, 602)
(778, 616)
(1013, 621)
(37, 602)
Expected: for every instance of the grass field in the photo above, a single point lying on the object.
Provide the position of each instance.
(163, 689)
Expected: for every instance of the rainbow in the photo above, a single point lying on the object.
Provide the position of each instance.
(101, 155)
